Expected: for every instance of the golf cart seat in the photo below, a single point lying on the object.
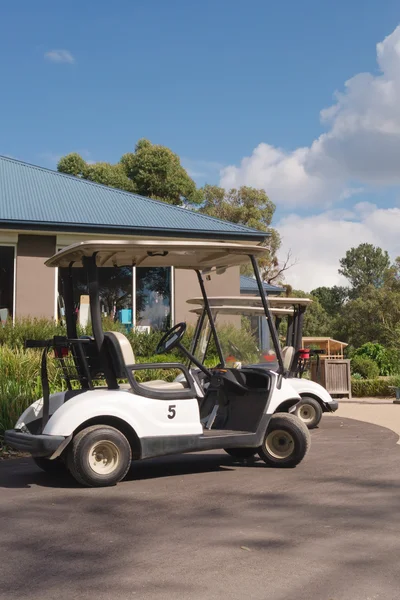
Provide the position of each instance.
(122, 357)
(287, 356)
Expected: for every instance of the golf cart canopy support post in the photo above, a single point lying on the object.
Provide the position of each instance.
(70, 321)
(90, 265)
(268, 316)
(210, 317)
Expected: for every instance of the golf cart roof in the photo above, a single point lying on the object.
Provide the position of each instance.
(248, 301)
(244, 310)
(197, 255)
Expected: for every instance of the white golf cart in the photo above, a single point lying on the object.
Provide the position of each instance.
(314, 398)
(96, 431)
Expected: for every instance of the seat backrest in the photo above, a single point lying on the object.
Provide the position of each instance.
(120, 351)
(287, 356)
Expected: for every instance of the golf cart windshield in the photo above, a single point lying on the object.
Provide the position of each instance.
(241, 326)
(243, 334)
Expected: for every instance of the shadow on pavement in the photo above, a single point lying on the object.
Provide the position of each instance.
(198, 527)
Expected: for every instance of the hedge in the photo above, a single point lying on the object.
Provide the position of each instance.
(365, 388)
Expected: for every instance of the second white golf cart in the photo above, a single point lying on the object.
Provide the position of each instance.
(315, 400)
(96, 431)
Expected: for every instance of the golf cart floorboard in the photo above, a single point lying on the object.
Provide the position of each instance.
(224, 432)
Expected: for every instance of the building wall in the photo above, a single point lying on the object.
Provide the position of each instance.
(187, 286)
(35, 283)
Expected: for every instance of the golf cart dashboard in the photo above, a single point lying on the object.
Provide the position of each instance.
(239, 380)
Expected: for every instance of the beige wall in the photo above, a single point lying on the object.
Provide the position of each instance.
(35, 283)
(187, 286)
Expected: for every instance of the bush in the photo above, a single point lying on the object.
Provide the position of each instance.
(20, 383)
(366, 367)
(14, 336)
(364, 388)
(387, 360)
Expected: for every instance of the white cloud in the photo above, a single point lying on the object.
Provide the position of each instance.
(59, 56)
(318, 242)
(362, 143)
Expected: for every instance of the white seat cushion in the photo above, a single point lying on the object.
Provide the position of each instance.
(125, 346)
(129, 359)
(287, 356)
(159, 384)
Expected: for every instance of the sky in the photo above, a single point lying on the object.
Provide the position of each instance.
(299, 98)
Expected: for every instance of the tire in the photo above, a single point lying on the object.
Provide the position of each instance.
(286, 441)
(309, 411)
(241, 453)
(54, 467)
(99, 456)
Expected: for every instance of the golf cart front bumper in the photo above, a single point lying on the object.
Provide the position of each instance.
(331, 406)
(36, 445)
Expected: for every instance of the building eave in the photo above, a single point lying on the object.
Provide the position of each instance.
(118, 230)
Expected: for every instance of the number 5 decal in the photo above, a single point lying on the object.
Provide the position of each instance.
(171, 411)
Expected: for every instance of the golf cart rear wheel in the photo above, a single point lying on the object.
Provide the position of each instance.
(309, 411)
(241, 453)
(99, 456)
(286, 441)
(52, 467)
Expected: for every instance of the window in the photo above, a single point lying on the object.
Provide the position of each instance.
(153, 297)
(7, 254)
(115, 287)
(151, 307)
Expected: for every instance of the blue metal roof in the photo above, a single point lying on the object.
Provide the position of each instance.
(36, 198)
(248, 285)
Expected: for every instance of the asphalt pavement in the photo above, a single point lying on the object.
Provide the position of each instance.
(199, 527)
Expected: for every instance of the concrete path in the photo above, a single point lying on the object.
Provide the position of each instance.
(200, 527)
(370, 410)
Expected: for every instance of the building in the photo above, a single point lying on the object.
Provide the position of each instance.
(42, 211)
(248, 287)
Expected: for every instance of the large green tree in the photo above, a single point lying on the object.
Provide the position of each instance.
(158, 173)
(317, 322)
(331, 298)
(372, 317)
(152, 170)
(251, 207)
(363, 266)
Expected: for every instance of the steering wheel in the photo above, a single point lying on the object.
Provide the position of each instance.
(171, 338)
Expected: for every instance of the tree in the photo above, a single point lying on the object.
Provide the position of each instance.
(317, 322)
(331, 299)
(363, 266)
(101, 172)
(72, 164)
(372, 317)
(158, 173)
(152, 170)
(111, 175)
(252, 208)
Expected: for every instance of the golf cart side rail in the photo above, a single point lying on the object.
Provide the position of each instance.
(61, 345)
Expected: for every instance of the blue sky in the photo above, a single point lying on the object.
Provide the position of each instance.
(212, 80)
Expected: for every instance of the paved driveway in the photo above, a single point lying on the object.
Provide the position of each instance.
(199, 527)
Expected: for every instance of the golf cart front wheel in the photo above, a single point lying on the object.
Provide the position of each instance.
(241, 453)
(286, 441)
(309, 411)
(99, 456)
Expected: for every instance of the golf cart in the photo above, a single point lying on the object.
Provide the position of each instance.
(314, 398)
(96, 431)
